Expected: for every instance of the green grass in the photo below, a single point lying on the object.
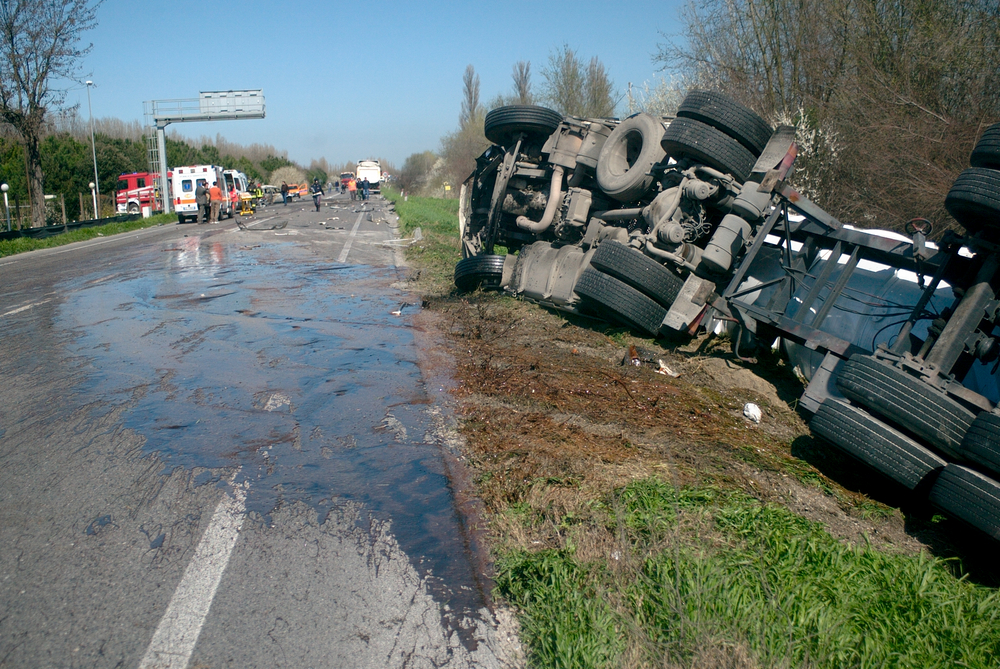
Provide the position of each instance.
(439, 250)
(708, 569)
(23, 244)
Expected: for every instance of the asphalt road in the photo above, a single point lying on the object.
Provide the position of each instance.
(220, 447)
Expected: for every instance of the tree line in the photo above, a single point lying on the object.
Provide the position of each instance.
(888, 97)
(569, 85)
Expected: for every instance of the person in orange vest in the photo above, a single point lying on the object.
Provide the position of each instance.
(234, 200)
(352, 188)
(215, 194)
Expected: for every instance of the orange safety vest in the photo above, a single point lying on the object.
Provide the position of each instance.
(352, 185)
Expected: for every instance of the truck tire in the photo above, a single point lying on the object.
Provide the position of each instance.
(865, 438)
(727, 115)
(485, 271)
(132, 208)
(987, 151)
(504, 124)
(974, 199)
(618, 302)
(968, 496)
(628, 156)
(687, 138)
(907, 402)
(638, 270)
(982, 442)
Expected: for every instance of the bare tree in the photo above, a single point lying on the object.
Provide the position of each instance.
(522, 83)
(470, 100)
(599, 91)
(39, 43)
(575, 89)
(889, 94)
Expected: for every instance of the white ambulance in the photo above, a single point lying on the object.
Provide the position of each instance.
(185, 181)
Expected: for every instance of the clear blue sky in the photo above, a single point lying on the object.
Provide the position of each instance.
(345, 81)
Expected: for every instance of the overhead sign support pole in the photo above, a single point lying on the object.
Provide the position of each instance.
(208, 106)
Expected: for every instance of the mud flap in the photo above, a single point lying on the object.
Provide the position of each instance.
(821, 386)
(690, 304)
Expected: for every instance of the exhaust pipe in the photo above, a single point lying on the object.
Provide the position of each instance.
(555, 193)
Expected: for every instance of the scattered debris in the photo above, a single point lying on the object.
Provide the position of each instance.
(663, 369)
(752, 411)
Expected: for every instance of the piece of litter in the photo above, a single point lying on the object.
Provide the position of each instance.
(666, 370)
(633, 355)
(752, 411)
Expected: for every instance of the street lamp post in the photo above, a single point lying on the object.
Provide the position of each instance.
(93, 194)
(6, 206)
(93, 149)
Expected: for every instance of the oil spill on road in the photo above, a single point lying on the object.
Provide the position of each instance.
(295, 373)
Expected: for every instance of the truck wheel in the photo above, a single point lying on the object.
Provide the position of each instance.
(968, 496)
(687, 138)
(906, 401)
(727, 115)
(638, 270)
(974, 199)
(982, 442)
(616, 301)
(504, 124)
(484, 271)
(132, 208)
(628, 156)
(874, 443)
(987, 151)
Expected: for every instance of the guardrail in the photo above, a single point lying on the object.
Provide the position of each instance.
(53, 230)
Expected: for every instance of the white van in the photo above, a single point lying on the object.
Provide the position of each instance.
(185, 181)
(373, 171)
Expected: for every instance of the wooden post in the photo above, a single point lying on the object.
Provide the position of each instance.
(81, 208)
(62, 203)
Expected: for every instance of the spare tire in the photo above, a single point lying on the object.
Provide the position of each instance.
(987, 151)
(974, 199)
(484, 271)
(729, 116)
(504, 124)
(628, 156)
(687, 138)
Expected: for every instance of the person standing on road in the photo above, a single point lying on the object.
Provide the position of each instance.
(352, 188)
(364, 188)
(201, 199)
(317, 192)
(234, 199)
(284, 193)
(215, 194)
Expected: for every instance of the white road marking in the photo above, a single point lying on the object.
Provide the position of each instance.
(350, 238)
(24, 308)
(175, 637)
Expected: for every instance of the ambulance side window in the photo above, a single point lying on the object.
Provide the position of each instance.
(186, 186)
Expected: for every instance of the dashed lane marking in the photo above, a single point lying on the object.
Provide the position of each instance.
(175, 637)
(350, 238)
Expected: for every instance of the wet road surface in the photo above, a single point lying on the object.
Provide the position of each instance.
(218, 448)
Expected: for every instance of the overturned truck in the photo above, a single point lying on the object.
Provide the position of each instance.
(672, 225)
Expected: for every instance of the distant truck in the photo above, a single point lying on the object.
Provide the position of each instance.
(137, 190)
(185, 182)
(371, 170)
(345, 178)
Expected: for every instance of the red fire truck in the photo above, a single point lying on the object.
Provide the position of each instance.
(138, 190)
